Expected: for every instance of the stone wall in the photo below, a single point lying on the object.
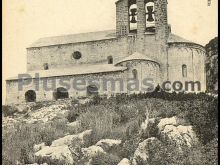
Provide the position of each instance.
(122, 18)
(161, 20)
(43, 94)
(60, 56)
(193, 57)
(147, 72)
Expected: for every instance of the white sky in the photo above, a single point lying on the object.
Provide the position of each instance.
(25, 21)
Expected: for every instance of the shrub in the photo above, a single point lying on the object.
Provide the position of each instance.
(73, 114)
(129, 146)
(41, 160)
(18, 142)
(105, 159)
(210, 152)
(204, 118)
(101, 120)
(9, 110)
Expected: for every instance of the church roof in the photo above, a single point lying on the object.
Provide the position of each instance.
(136, 56)
(76, 70)
(91, 36)
(173, 38)
(74, 38)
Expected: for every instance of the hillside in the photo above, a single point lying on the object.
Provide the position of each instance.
(156, 128)
(212, 64)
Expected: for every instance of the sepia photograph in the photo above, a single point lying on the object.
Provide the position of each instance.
(110, 82)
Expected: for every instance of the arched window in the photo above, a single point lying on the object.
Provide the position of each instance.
(150, 15)
(46, 67)
(61, 93)
(135, 74)
(110, 60)
(184, 70)
(30, 96)
(132, 16)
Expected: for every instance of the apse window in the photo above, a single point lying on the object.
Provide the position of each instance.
(135, 75)
(184, 70)
(150, 16)
(133, 16)
(46, 66)
(110, 60)
(76, 55)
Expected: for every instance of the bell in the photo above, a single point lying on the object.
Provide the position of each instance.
(150, 14)
(133, 14)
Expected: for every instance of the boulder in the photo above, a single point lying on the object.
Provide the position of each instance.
(108, 144)
(38, 147)
(66, 140)
(167, 121)
(124, 161)
(69, 139)
(84, 101)
(74, 125)
(141, 154)
(23, 108)
(180, 135)
(92, 151)
(62, 154)
(49, 113)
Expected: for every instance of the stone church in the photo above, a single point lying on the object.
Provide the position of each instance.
(142, 46)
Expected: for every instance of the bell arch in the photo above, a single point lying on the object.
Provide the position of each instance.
(132, 7)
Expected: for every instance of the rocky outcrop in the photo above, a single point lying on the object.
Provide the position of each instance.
(60, 149)
(172, 130)
(74, 125)
(61, 154)
(69, 139)
(39, 147)
(124, 161)
(167, 121)
(46, 114)
(92, 151)
(101, 147)
(108, 144)
(69, 149)
(141, 154)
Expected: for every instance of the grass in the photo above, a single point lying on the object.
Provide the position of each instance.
(118, 118)
(18, 142)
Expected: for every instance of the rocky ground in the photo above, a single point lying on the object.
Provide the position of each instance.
(69, 149)
(62, 149)
(155, 140)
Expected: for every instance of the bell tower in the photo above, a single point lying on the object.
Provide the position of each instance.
(142, 17)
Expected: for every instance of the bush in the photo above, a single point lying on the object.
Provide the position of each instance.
(120, 118)
(101, 120)
(129, 147)
(105, 159)
(204, 118)
(18, 142)
(8, 110)
(73, 114)
(210, 152)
